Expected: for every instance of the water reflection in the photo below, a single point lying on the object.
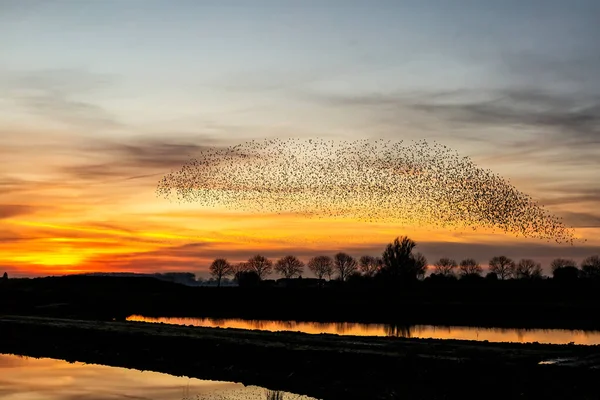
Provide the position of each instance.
(23, 378)
(553, 336)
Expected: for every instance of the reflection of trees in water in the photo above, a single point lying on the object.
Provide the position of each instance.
(256, 324)
(249, 393)
(398, 330)
(321, 326)
(499, 334)
(279, 325)
(343, 327)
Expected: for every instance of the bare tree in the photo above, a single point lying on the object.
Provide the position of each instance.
(289, 266)
(419, 265)
(562, 263)
(528, 269)
(369, 265)
(344, 264)
(400, 264)
(238, 269)
(321, 266)
(445, 266)
(502, 266)
(219, 269)
(590, 267)
(470, 267)
(261, 265)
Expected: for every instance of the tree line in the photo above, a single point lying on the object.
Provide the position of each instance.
(399, 263)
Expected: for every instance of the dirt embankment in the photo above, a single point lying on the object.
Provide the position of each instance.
(322, 366)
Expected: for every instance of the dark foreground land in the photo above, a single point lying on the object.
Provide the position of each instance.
(323, 366)
(519, 304)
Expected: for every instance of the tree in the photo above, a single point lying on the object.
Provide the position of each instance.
(289, 266)
(562, 263)
(344, 264)
(491, 276)
(248, 279)
(238, 269)
(369, 265)
(564, 270)
(590, 267)
(568, 273)
(5, 277)
(400, 264)
(219, 269)
(445, 266)
(261, 265)
(321, 266)
(470, 267)
(528, 269)
(419, 265)
(502, 266)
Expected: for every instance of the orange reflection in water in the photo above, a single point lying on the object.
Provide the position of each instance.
(25, 378)
(553, 336)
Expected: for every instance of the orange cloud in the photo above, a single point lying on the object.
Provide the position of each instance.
(74, 205)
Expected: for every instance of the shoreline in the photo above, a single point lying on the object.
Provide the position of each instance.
(324, 366)
(541, 305)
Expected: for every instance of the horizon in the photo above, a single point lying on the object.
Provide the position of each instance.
(100, 100)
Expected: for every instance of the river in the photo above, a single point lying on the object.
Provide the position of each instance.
(24, 378)
(551, 336)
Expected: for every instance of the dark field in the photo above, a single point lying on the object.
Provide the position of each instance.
(80, 318)
(323, 366)
(521, 304)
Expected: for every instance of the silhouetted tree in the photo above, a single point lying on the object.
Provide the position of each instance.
(321, 266)
(370, 265)
(562, 263)
(344, 264)
(248, 279)
(419, 265)
(5, 277)
(400, 264)
(528, 269)
(590, 267)
(445, 266)
(219, 269)
(564, 270)
(568, 273)
(470, 267)
(261, 265)
(238, 269)
(289, 266)
(502, 266)
(491, 276)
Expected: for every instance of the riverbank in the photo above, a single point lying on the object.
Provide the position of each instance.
(510, 304)
(323, 366)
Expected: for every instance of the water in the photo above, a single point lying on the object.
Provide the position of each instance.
(23, 378)
(552, 336)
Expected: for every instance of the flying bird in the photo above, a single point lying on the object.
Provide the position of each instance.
(419, 183)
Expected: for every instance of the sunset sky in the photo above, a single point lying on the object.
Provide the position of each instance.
(100, 99)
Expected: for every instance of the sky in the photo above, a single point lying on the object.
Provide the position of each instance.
(100, 99)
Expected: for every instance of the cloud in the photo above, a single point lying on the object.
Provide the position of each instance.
(132, 159)
(58, 95)
(549, 113)
(572, 195)
(13, 210)
(581, 219)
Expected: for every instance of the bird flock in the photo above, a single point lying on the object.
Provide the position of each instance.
(418, 183)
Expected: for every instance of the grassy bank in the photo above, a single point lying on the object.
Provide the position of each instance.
(544, 304)
(323, 366)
